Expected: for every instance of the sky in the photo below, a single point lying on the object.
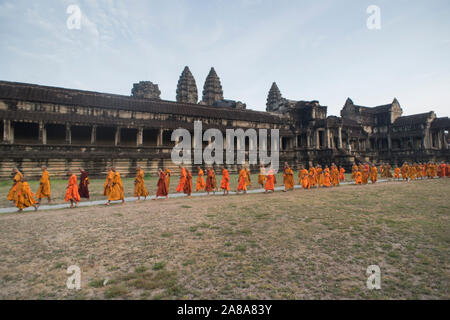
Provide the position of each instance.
(314, 50)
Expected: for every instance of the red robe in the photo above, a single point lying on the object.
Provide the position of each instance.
(83, 188)
(162, 186)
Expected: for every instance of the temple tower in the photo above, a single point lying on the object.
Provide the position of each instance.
(187, 88)
(146, 90)
(273, 98)
(212, 90)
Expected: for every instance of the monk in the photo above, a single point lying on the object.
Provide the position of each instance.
(304, 178)
(358, 177)
(200, 180)
(320, 178)
(139, 185)
(162, 190)
(108, 182)
(288, 178)
(225, 183)
(365, 174)
(25, 198)
(342, 174)
(443, 167)
(326, 178)
(334, 175)
(262, 176)
(168, 173)
(374, 174)
(354, 170)
(418, 167)
(242, 185)
(17, 185)
(116, 192)
(44, 186)
(404, 171)
(214, 181)
(210, 181)
(248, 180)
(72, 194)
(388, 171)
(187, 189)
(412, 172)
(183, 177)
(397, 173)
(83, 188)
(312, 177)
(271, 180)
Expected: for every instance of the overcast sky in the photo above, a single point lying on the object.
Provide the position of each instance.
(314, 50)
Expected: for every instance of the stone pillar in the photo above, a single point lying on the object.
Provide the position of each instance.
(440, 138)
(159, 139)
(444, 141)
(339, 138)
(140, 137)
(389, 141)
(308, 139)
(94, 135)
(327, 138)
(317, 143)
(42, 133)
(68, 134)
(8, 135)
(117, 137)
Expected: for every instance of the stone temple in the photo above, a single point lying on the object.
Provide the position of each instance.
(66, 128)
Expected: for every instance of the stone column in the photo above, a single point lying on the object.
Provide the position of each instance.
(440, 138)
(159, 139)
(8, 135)
(308, 139)
(140, 137)
(42, 133)
(327, 138)
(68, 134)
(317, 143)
(444, 141)
(94, 135)
(339, 138)
(389, 141)
(117, 137)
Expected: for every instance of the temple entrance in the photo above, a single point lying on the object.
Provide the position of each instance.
(80, 135)
(321, 139)
(106, 136)
(56, 133)
(26, 133)
(167, 139)
(150, 137)
(128, 137)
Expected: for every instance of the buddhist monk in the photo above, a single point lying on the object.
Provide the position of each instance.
(326, 178)
(83, 188)
(225, 183)
(183, 177)
(200, 185)
(108, 182)
(271, 180)
(358, 177)
(210, 181)
(44, 186)
(168, 173)
(365, 174)
(72, 194)
(388, 170)
(242, 186)
(404, 171)
(424, 170)
(248, 180)
(312, 177)
(354, 170)
(342, 174)
(214, 181)
(304, 178)
(187, 189)
(25, 198)
(139, 185)
(418, 167)
(374, 174)
(288, 178)
(397, 173)
(334, 175)
(162, 190)
(116, 192)
(16, 185)
(320, 178)
(262, 176)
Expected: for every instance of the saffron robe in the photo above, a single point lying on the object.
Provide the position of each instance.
(72, 190)
(210, 180)
(116, 188)
(327, 178)
(25, 198)
(248, 180)
(397, 173)
(139, 185)
(320, 177)
(187, 189)
(374, 174)
(288, 179)
(183, 177)
(412, 173)
(358, 177)
(304, 178)
(404, 171)
(312, 177)
(225, 183)
(354, 170)
(167, 175)
(17, 185)
(270, 181)
(108, 183)
(44, 186)
(242, 186)
(342, 174)
(83, 188)
(200, 181)
(335, 176)
(162, 190)
(262, 176)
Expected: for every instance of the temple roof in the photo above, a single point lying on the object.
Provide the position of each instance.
(420, 118)
(46, 94)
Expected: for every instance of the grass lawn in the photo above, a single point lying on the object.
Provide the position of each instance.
(314, 244)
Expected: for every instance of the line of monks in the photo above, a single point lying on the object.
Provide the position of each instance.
(317, 176)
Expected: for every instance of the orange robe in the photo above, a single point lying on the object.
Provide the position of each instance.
(312, 177)
(271, 180)
(354, 170)
(44, 186)
(116, 192)
(242, 186)
(248, 180)
(412, 174)
(187, 189)
(162, 190)
(327, 178)
(262, 176)
(108, 183)
(342, 174)
(404, 171)
(225, 183)
(365, 175)
(139, 185)
(72, 190)
(304, 178)
(320, 177)
(17, 185)
(358, 177)
(200, 181)
(183, 177)
(167, 174)
(25, 198)
(397, 173)
(374, 174)
(288, 179)
(210, 180)
(335, 176)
